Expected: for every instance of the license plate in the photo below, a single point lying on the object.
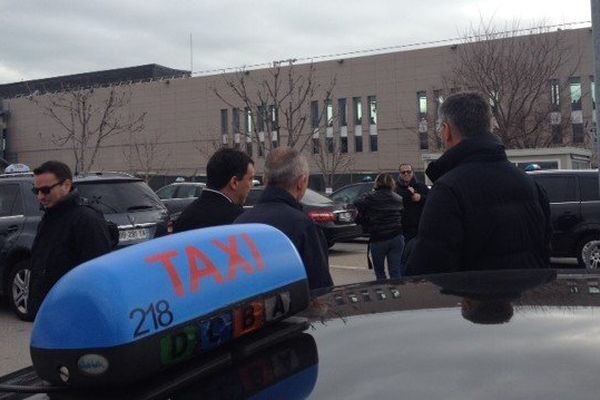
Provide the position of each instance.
(128, 235)
(345, 217)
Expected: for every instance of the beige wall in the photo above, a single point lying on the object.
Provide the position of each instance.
(184, 112)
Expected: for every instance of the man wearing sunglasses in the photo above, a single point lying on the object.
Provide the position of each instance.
(413, 198)
(69, 233)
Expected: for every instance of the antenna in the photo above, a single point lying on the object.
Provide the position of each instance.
(191, 56)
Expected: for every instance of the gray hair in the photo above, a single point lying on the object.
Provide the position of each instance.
(284, 166)
(469, 112)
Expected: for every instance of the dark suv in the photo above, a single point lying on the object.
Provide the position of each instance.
(575, 207)
(123, 199)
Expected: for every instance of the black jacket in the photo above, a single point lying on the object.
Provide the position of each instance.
(276, 207)
(210, 209)
(482, 214)
(412, 209)
(69, 234)
(380, 213)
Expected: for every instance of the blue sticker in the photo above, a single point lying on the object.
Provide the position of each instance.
(216, 331)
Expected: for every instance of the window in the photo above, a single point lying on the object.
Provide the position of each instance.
(555, 93)
(316, 145)
(593, 92)
(344, 144)
(372, 101)
(166, 192)
(330, 145)
(422, 120)
(373, 142)
(274, 126)
(314, 115)
(556, 134)
(235, 118)
(358, 144)
(560, 188)
(260, 121)
(423, 141)
(329, 112)
(185, 191)
(248, 121)
(575, 90)
(357, 102)
(224, 122)
(343, 112)
(577, 133)
(249, 148)
(422, 104)
(10, 200)
(589, 187)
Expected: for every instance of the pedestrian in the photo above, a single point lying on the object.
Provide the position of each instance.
(230, 176)
(286, 175)
(413, 195)
(68, 234)
(380, 213)
(482, 212)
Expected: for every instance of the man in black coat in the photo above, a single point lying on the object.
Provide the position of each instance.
(230, 176)
(286, 174)
(482, 213)
(413, 195)
(69, 233)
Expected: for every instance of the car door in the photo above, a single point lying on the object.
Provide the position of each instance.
(590, 200)
(563, 193)
(12, 215)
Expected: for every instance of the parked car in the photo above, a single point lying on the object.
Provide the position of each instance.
(409, 339)
(177, 196)
(349, 193)
(575, 209)
(123, 199)
(336, 221)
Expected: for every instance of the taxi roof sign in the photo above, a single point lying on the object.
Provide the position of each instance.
(17, 169)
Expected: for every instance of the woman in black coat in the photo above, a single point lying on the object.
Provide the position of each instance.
(380, 214)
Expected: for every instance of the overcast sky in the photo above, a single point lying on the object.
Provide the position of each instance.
(40, 39)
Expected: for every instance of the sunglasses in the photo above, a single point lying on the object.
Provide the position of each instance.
(45, 189)
(405, 172)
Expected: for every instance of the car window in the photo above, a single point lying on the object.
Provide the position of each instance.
(198, 190)
(588, 185)
(186, 191)
(11, 202)
(349, 194)
(312, 197)
(166, 192)
(559, 188)
(119, 197)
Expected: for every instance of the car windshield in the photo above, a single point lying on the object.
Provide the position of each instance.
(119, 197)
(312, 197)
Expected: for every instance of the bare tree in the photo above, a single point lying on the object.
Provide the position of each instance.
(146, 155)
(516, 72)
(88, 117)
(275, 103)
(330, 159)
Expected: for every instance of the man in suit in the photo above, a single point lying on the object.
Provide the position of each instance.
(230, 175)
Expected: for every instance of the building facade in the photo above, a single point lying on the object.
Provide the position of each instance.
(379, 113)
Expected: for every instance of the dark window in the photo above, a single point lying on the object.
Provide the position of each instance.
(186, 191)
(260, 120)
(423, 141)
(358, 144)
(166, 192)
(357, 102)
(559, 188)
(343, 112)
(224, 128)
(314, 114)
(373, 144)
(235, 117)
(11, 202)
(316, 145)
(349, 194)
(589, 187)
(260, 147)
(556, 134)
(344, 144)
(119, 197)
(249, 148)
(577, 133)
(330, 144)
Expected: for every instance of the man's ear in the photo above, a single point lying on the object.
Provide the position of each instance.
(233, 183)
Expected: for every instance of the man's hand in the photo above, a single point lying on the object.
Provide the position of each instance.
(416, 197)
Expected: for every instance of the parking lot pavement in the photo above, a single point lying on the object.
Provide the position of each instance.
(14, 341)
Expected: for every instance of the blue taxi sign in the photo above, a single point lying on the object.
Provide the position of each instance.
(133, 312)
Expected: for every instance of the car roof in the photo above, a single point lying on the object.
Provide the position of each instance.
(412, 337)
(563, 171)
